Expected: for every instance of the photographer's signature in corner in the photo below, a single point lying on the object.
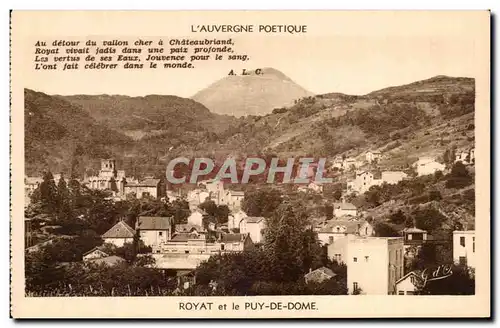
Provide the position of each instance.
(441, 272)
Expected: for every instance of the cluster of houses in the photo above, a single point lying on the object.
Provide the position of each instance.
(364, 180)
(214, 190)
(375, 265)
(465, 156)
(109, 178)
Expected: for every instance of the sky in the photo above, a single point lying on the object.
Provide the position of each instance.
(348, 52)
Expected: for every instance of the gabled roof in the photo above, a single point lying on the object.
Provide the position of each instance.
(414, 230)
(233, 237)
(411, 273)
(109, 260)
(344, 206)
(120, 230)
(323, 270)
(95, 249)
(153, 223)
(183, 236)
(187, 227)
(253, 219)
(351, 226)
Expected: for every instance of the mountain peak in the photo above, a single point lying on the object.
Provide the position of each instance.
(257, 92)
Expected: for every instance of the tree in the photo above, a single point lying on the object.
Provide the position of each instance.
(385, 230)
(460, 282)
(180, 209)
(209, 207)
(261, 202)
(397, 218)
(428, 219)
(337, 194)
(48, 193)
(459, 177)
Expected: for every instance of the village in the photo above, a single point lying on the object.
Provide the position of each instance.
(375, 264)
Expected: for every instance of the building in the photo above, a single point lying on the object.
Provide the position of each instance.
(319, 275)
(235, 219)
(196, 197)
(409, 284)
(350, 163)
(236, 242)
(334, 230)
(154, 230)
(94, 253)
(194, 243)
(253, 226)
(414, 236)
(362, 182)
(149, 187)
(119, 234)
(30, 185)
(374, 264)
(189, 228)
(108, 178)
(464, 248)
(196, 217)
(465, 156)
(427, 165)
(337, 163)
(344, 209)
(107, 261)
(392, 177)
(372, 156)
(233, 199)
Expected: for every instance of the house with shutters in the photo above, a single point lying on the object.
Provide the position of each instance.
(253, 226)
(336, 229)
(154, 230)
(119, 234)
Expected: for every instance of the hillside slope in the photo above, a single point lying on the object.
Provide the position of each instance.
(56, 130)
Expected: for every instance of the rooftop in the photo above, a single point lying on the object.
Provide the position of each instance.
(253, 219)
(154, 223)
(120, 230)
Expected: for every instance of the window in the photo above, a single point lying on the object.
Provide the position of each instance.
(401, 292)
(221, 247)
(462, 241)
(355, 259)
(366, 258)
(366, 230)
(330, 239)
(473, 244)
(187, 252)
(160, 233)
(355, 286)
(462, 260)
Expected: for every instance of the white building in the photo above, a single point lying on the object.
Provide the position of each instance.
(464, 248)
(253, 226)
(409, 284)
(362, 182)
(196, 217)
(373, 156)
(154, 230)
(344, 209)
(334, 230)
(427, 165)
(107, 178)
(119, 234)
(465, 156)
(374, 264)
(235, 219)
(94, 253)
(393, 177)
(196, 197)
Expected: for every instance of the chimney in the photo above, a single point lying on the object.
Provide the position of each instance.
(310, 270)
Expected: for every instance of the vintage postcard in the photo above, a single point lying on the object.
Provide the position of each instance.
(246, 164)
